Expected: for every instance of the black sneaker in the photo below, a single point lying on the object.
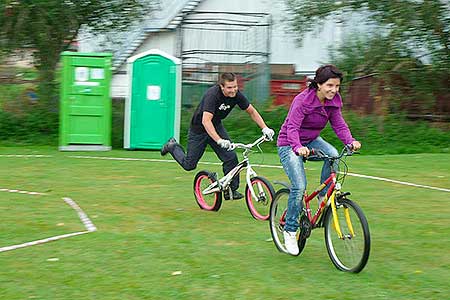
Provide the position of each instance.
(236, 195)
(168, 146)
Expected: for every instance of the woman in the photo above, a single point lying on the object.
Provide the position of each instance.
(309, 113)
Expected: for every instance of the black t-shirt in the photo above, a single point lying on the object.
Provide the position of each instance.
(215, 102)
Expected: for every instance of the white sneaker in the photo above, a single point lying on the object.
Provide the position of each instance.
(290, 242)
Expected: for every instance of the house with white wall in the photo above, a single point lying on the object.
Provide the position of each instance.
(217, 32)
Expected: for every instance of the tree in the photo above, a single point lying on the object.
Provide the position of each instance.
(51, 26)
(407, 43)
(415, 26)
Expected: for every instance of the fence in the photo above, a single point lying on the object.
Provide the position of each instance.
(214, 42)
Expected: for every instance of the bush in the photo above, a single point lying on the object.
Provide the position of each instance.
(392, 134)
(37, 127)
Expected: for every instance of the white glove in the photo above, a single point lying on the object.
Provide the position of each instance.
(225, 144)
(268, 133)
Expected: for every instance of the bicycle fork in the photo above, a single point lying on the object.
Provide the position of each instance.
(261, 193)
(336, 225)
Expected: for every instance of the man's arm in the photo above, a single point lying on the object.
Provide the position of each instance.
(267, 132)
(209, 127)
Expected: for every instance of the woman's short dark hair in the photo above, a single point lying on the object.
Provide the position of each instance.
(227, 76)
(323, 74)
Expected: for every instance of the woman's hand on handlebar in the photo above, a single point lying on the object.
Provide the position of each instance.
(302, 151)
(356, 146)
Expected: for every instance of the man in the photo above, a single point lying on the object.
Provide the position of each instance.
(207, 129)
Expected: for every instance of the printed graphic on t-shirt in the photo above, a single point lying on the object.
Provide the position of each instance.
(224, 107)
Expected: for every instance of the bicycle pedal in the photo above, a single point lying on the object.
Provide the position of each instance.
(306, 227)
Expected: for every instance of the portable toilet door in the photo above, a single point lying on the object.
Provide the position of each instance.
(85, 110)
(152, 108)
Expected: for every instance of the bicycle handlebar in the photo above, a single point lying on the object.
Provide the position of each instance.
(319, 154)
(259, 141)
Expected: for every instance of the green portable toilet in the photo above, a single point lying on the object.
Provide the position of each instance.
(152, 108)
(85, 110)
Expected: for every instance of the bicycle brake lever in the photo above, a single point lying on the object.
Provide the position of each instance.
(349, 149)
(317, 152)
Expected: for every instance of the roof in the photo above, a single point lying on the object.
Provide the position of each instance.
(175, 60)
(168, 17)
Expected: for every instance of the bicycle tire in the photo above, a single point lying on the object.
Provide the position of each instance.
(351, 253)
(260, 209)
(211, 202)
(278, 209)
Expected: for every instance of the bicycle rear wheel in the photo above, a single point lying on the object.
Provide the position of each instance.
(259, 208)
(211, 202)
(278, 209)
(351, 252)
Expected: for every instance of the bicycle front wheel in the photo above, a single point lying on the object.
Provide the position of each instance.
(212, 201)
(350, 252)
(259, 208)
(277, 220)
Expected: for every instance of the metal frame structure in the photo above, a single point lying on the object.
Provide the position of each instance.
(211, 42)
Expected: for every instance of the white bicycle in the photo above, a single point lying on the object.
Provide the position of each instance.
(259, 192)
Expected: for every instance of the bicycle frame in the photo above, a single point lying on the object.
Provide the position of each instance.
(224, 182)
(329, 196)
(329, 199)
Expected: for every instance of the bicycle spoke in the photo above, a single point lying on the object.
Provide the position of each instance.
(350, 250)
(211, 201)
(277, 218)
(259, 206)
(278, 209)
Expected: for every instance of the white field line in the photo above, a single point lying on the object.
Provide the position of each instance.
(25, 155)
(21, 192)
(83, 217)
(399, 182)
(160, 160)
(38, 242)
(263, 166)
(276, 167)
(123, 158)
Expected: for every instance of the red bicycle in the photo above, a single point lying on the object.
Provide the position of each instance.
(346, 229)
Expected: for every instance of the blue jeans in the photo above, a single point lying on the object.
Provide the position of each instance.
(295, 170)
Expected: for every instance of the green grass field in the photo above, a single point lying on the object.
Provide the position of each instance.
(153, 242)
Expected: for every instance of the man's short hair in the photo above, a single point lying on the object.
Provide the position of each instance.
(227, 76)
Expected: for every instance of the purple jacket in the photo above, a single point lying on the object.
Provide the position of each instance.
(307, 117)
